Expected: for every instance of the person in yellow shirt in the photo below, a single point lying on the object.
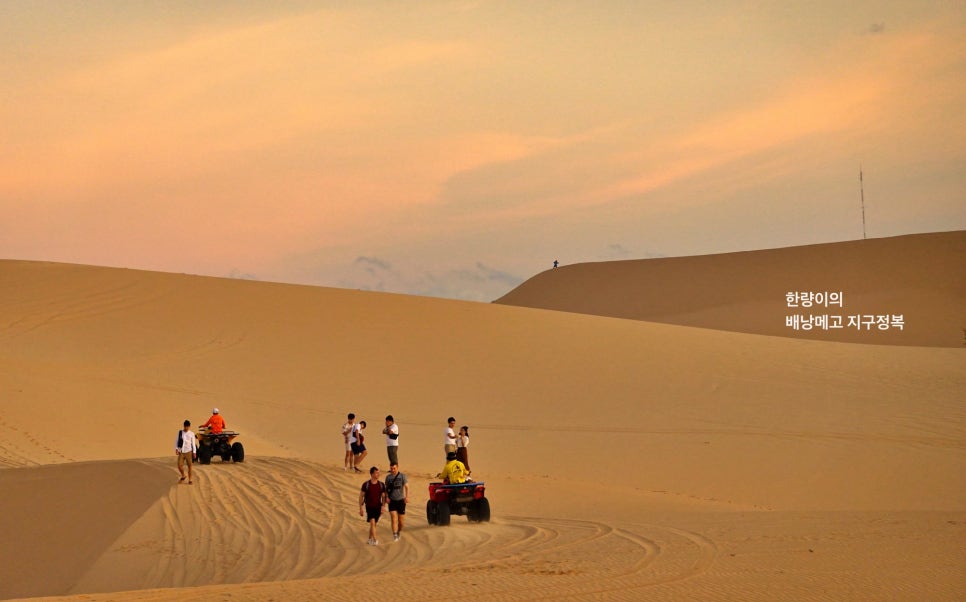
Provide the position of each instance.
(454, 471)
(216, 423)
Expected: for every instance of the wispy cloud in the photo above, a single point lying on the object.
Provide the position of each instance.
(617, 251)
(374, 264)
(498, 276)
(477, 282)
(436, 149)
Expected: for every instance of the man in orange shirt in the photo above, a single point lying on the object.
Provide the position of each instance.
(216, 423)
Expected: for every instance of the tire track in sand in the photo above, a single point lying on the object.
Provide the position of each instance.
(279, 519)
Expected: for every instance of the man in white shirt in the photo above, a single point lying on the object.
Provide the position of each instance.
(449, 436)
(186, 448)
(392, 440)
(349, 440)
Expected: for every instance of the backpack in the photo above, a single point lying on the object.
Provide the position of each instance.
(365, 488)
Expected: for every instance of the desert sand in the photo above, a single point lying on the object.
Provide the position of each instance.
(625, 459)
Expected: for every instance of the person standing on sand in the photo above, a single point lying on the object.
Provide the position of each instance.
(392, 440)
(372, 498)
(359, 447)
(462, 445)
(449, 436)
(186, 448)
(347, 434)
(397, 491)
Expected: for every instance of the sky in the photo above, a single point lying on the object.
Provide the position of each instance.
(455, 149)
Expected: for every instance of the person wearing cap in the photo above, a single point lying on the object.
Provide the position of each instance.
(454, 471)
(216, 423)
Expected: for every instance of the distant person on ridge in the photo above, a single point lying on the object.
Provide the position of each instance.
(555, 263)
(216, 423)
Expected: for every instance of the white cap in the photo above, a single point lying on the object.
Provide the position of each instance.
(214, 411)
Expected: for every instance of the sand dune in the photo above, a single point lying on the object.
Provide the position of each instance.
(281, 520)
(624, 459)
(918, 277)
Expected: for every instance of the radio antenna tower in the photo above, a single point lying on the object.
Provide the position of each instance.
(862, 195)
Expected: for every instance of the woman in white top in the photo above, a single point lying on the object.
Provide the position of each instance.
(462, 443)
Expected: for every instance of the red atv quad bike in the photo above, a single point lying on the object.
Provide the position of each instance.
(464, 499)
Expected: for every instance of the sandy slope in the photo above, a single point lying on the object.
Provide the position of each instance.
(918, 277)
(622, 458)
(291, 521)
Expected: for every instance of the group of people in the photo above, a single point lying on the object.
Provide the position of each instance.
(457, 443)
(375, 495)
(393, 493)
(355, 442)
(186, 445)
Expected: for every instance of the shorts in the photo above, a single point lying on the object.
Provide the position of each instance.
(184, 458)
(348, 446)
(373, 513)
(397, 506)
(358, 448)
(450, 448)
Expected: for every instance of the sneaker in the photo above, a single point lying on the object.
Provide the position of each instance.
(395, 536)
(375, 542)
(369, 542)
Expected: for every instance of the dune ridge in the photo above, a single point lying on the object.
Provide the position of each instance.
(623, 458)
(916, 276)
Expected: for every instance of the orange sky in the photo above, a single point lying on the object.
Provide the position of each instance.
(457, 148)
